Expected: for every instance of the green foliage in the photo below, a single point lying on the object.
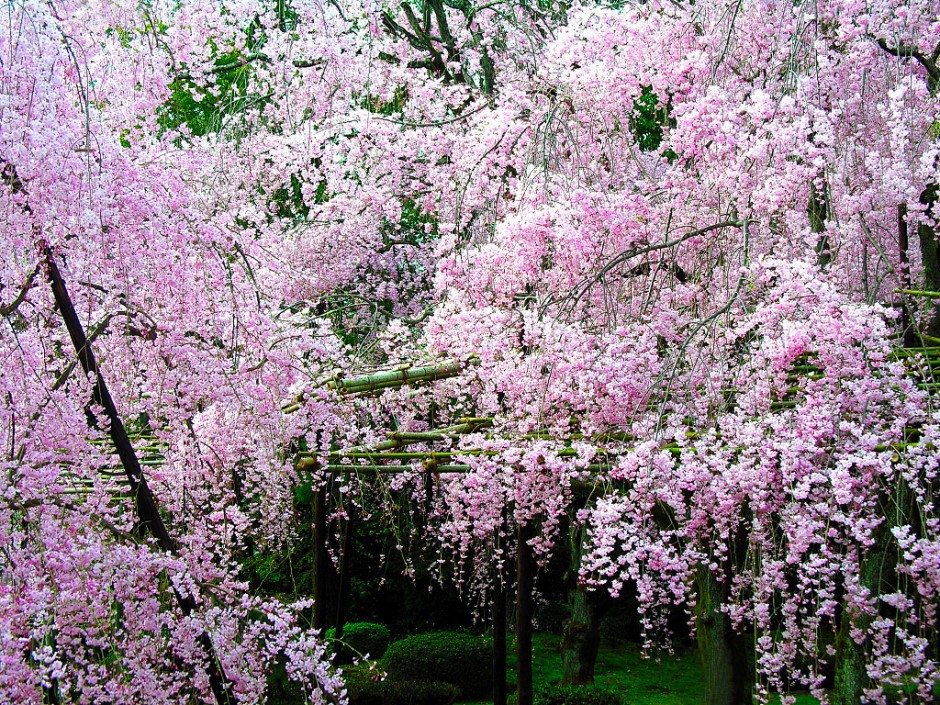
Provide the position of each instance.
(575, 695)
(364, 688)
(303, 492)
(281, 689)
(552, 616)
(269, 569)
(288, 201)
(359, 639)
(423, 692)
(650, 117)
(387, 107)
(203, 109)
(464, 660)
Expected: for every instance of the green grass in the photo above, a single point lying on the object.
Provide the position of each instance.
(661, 679)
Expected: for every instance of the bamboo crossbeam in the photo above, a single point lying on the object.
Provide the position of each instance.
(400, 376)
(404, 455)
(438, 455)
(391, 450)
(396, 439)
(430, 468)
(920, 292)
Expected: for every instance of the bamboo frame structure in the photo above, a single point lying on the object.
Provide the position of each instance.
(392, 456)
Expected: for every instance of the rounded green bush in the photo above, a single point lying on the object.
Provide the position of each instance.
(423, 692)
(575, 695)
(360, 686)
(360, 638)
(464, 660)
(363, 688)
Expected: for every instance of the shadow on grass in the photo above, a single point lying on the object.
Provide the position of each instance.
(660, 679)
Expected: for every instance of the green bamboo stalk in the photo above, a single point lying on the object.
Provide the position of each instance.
(398, 377)
(398, 439)
(920, 292)
(431, 468)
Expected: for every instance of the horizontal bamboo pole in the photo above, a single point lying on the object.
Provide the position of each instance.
(920, 292)
(431, 469)
(400, 376)
(439, 455)
(396, 439)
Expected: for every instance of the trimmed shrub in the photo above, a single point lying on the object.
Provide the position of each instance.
(464, 660)
(360, 687)
(360, 638)
(423, 692)
(575, 695)
(363, 690)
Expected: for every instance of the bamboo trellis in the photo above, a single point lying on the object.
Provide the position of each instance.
(393, 455)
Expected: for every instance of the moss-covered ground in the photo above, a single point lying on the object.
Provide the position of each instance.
(656, 679)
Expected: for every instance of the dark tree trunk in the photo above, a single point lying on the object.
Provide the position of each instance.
(321, 558)
(818, 212)
(851, 676)
(499, 639)
(148, 514)
(907, 323)
(345, 562)
(727, 657)
(927, 234)
(524, 692)
(581, 638)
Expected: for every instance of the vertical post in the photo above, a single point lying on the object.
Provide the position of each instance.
(148, 514)
(524, 692)
(499, 634)
(344, 563)
(320, 558)
(910, 339)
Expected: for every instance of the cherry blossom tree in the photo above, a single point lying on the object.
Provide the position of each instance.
(675, 240)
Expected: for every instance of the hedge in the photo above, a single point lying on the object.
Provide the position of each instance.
(464, 660)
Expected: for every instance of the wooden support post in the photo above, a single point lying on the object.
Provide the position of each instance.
(345, 561)
(907, 323)
(524, 691)
(499, 638)
(148, 514)
(320, 558)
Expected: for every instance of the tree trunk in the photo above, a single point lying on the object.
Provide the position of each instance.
(148, 514)
(851, 675)
(321, 558)
(581, 638)
(727, 657)
(851, 678)
(818, 211)
(927, 235)
(907, 324)
(499, 640)
(524, 692)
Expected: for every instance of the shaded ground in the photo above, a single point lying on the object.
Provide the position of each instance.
(664, 679)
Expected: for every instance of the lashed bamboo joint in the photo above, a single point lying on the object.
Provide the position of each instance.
(399, 377)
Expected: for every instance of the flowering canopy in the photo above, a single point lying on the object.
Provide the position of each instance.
(661, 224)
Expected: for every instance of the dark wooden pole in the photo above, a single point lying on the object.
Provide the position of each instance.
(499, 636)
(320, 558)
(345, 561)
(148, 514)
(524, 692)
(907, 324)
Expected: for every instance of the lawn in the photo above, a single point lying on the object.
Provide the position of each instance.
(661, 679)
